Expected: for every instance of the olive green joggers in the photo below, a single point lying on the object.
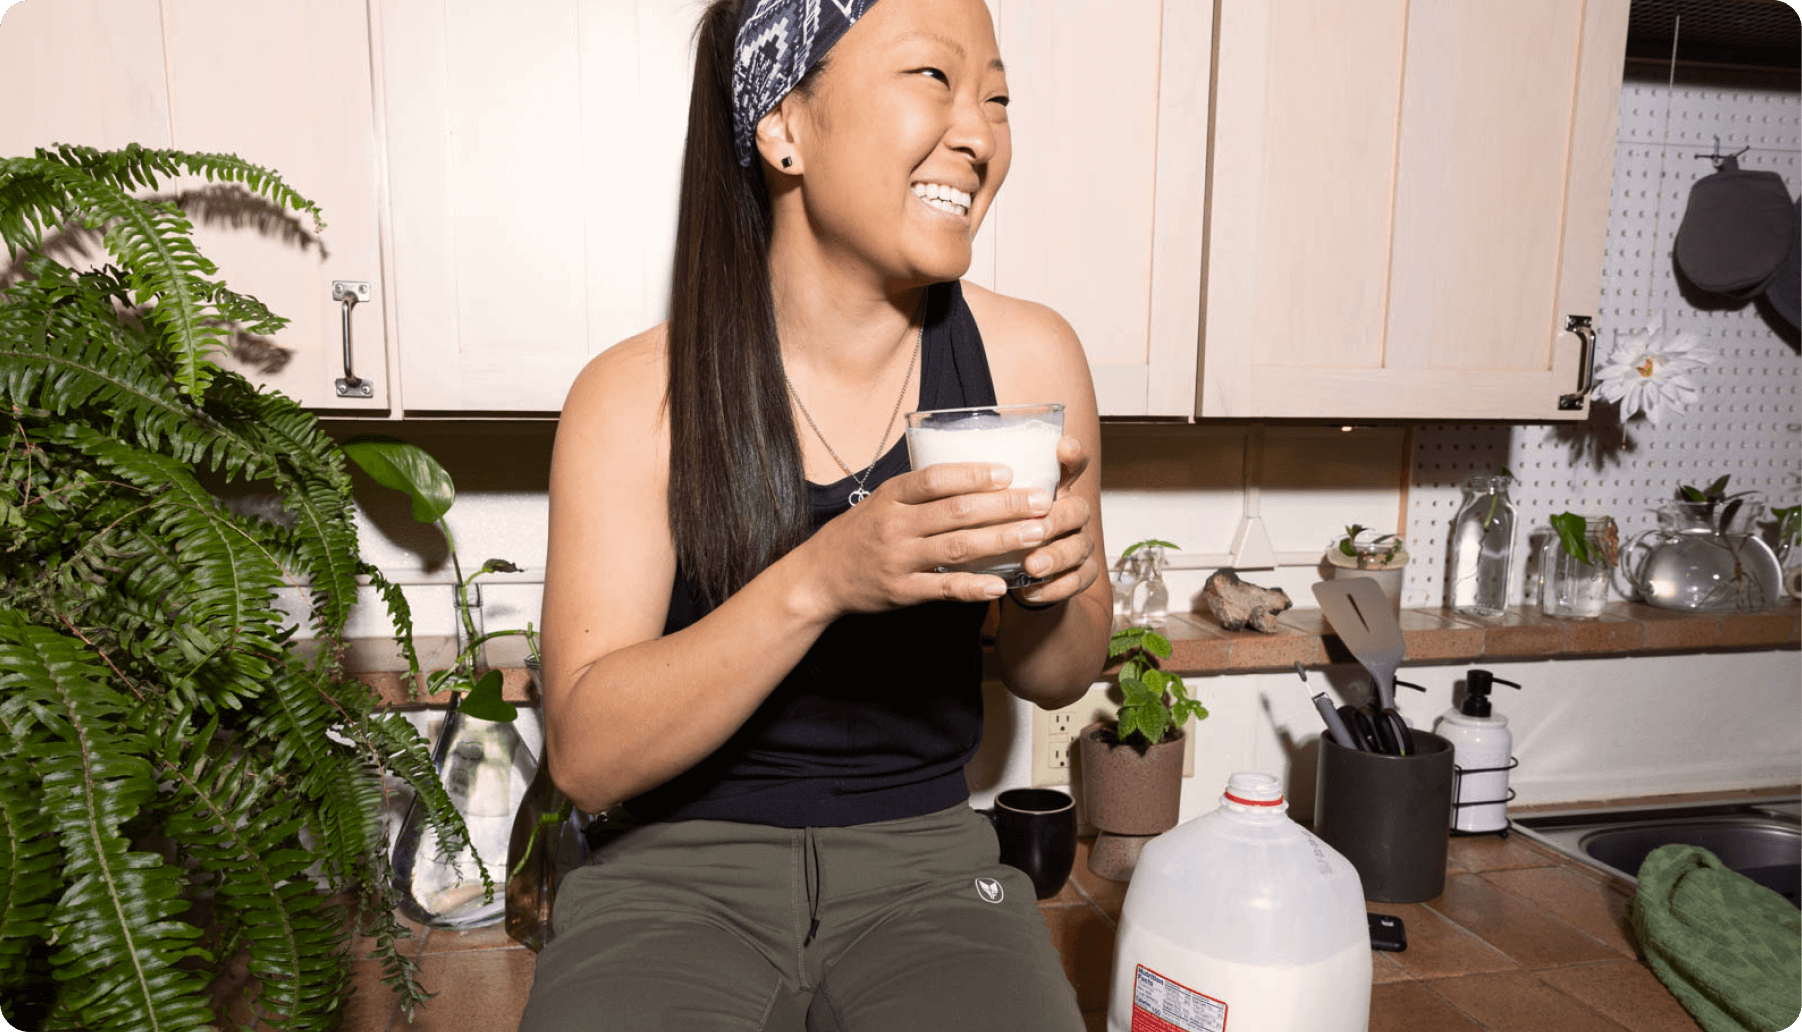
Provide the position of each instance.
(909, 925)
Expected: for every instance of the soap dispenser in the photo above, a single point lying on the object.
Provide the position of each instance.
(1482, 749)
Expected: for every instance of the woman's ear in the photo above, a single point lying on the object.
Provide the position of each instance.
(779, 135)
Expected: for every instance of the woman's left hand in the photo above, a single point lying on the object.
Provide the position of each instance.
(1063, 562)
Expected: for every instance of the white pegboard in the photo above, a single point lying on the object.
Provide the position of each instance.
(1748, 420)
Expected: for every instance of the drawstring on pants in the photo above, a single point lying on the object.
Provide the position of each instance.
(813, 885)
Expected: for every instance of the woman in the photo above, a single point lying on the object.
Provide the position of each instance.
(777, 683)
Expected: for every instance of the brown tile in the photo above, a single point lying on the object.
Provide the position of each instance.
(1197, 645)
(1515, 1001)
(371, 1007)
(1434, 634)
(1412, 1007)
(1527, 934)
(1067, 894)
(476, 990)
(1255, 651)
(1594, 907)
(1494, 853)
(1521, 631)
(1085, 941)
(1626, 992)
(1103, 892)
(1614, 631)
(1771, 627)
(1437, 948)
(488, 937)
(1669, 629)
(1384, 969)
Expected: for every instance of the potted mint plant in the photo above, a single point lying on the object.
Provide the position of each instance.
(1132, 766)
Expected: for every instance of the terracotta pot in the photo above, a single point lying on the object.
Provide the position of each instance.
(1127, 792)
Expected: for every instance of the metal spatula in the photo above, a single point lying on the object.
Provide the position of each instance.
(1361, 616)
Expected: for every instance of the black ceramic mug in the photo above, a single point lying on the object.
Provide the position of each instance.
(1037, 829)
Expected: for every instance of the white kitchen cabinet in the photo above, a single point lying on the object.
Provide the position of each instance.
(1101, 215)
(281, 83)
(1407, 203)
(534, 154)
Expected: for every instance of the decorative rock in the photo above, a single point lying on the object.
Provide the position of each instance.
(1236, 604)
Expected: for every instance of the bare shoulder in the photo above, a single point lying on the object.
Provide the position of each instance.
(624, 379)
(1033, 353)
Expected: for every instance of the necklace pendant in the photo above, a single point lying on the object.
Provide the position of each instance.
(858, 495)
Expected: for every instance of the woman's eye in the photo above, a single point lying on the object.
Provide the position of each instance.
(936, 74)
(1002, 100)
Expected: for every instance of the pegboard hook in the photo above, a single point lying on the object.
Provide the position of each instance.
(1717, 157)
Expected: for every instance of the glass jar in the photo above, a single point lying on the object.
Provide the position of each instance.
(1482, 546)
(1150, 598)
(1569, 588)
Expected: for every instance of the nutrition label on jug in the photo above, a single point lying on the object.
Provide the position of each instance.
(1160, 1005)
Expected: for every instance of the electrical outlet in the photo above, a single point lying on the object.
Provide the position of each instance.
(1054, 736)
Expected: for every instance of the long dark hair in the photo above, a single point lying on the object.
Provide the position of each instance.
(737, 493)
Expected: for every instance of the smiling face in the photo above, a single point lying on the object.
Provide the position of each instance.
(903, 141)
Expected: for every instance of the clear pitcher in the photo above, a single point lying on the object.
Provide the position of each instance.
(1705, 557)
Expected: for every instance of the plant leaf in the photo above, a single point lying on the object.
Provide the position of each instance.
(1572, 529)
(1690, 494)
(1148, 542)
(1718, 489)
(1154, 723)
(1157, 644)
(1728, 513)
(406, 468)
(484, 702)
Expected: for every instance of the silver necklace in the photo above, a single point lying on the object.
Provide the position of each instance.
(858, 493)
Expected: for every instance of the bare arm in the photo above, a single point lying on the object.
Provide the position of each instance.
(1051, 656)
(628, 708)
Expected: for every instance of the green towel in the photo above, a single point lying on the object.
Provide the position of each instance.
(1728, 948)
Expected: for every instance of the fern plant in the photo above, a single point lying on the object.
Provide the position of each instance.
(179, 785)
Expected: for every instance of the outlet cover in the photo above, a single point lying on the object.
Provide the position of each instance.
(1054, 736)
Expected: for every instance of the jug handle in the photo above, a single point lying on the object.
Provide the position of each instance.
(1631, 570)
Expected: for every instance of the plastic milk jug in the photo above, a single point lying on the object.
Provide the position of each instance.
(1242, 921)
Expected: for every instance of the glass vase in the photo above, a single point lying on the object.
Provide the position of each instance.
(1569, 588)
(485, 768)
(547, 842)
(1150, 598)
(1482, 547)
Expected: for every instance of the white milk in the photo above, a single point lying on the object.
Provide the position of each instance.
(1029, 449)
(1182, 990)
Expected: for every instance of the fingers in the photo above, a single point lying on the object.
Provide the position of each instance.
(1073, 459)
(949, 478)
(1067, 547)
(982, 509)
(964, 587)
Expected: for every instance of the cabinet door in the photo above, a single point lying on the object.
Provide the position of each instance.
(285, 84)
(1408, 200)
(1101, 215)
(280, 83)
(534, 159)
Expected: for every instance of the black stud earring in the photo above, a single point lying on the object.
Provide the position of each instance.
(787, 162)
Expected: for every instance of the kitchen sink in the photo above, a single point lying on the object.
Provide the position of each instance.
(1760, 839)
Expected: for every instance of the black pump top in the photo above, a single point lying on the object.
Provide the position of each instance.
(1476, 692)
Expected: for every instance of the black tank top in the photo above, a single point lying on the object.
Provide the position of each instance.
(878, 719)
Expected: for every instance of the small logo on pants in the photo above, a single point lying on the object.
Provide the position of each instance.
(990, 890)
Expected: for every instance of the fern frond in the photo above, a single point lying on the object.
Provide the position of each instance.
(401, 616)
(232, 819)
(115, 930)
(316, 488)
(30, 880)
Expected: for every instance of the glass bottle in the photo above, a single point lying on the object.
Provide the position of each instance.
(1151, 599)
(1569, 588)
(485, 768)
(548, 841)
(1482, 547)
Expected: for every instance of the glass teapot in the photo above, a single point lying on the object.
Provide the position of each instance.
(1705, 557)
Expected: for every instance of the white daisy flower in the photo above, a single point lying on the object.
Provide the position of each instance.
(1650, 372)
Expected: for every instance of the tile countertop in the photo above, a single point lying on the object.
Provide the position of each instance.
(1521, 940)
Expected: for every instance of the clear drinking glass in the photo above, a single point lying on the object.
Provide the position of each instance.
(1022, 437)
(1570, 588)
(1482, 547)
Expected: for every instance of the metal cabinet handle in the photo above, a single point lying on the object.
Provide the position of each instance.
(1583, 327)
(349, 293)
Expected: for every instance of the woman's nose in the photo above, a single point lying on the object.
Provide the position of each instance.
(973, 133)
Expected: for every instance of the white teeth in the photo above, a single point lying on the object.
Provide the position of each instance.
(942, 192)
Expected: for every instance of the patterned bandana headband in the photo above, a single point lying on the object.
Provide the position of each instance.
(778, 41)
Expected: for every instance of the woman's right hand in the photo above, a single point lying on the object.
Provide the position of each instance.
(885, 552)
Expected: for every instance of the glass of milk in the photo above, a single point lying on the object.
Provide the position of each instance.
(1021, 437)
